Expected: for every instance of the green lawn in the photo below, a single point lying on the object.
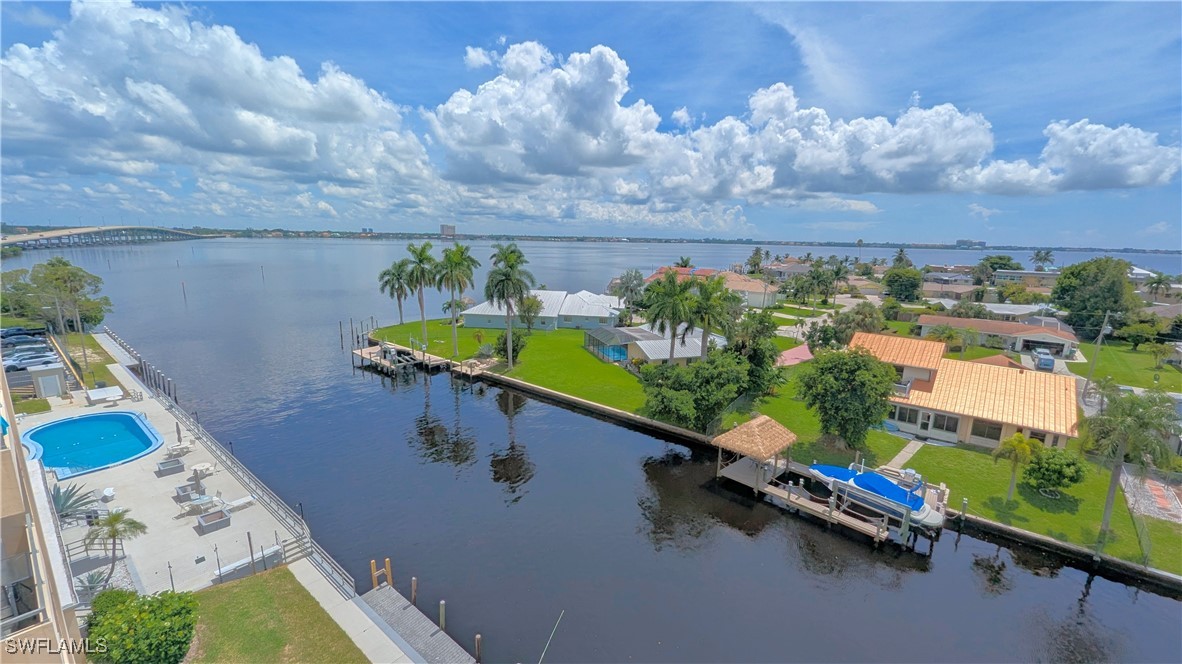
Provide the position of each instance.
(557, 360)
(95, 355)
(790, 412)
(438, 337)
(973, 353)
(8, 320)
(1136, 369)
(31, 406)
(899, 327)
(1074, 517)
(785, 343)
(797, 311)
(268, 617)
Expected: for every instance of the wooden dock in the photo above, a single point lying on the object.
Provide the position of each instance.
(392, 357)
(794, 498)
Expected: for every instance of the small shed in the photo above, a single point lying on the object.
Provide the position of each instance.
(49, 380)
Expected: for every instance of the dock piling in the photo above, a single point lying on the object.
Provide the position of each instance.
(477, 649)
(414, 590)
(443, 615)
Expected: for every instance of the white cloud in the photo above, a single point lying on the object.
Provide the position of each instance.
(30, 15)
(978, 210)
(476, 57)
(681, 117)
(1160, 228)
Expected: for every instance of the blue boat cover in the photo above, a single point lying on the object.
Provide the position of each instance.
(836, 472)
(875, 483)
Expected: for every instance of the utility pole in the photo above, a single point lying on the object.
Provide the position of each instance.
(1096, 359)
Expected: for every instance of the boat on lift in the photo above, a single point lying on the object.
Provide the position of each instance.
(898, 499)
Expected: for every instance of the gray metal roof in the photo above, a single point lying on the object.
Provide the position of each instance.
(616, 336)
(586, 303)
(551, 304)
(658, 349)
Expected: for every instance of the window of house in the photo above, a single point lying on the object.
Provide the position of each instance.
(603, 320)
(949, 423)
(1040, 436)
(899, 372)
(908, 415)
(566, 319)
(987, 429)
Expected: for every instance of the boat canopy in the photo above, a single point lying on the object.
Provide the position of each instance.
(836, 472)
(875, 483)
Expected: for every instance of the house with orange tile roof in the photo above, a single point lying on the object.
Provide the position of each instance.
(755, 292)
(683, 273)
(972, 402)
(1012, 335)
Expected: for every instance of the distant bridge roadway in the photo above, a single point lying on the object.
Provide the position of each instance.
(95, 235)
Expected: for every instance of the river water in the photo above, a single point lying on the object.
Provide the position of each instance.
(515, 510)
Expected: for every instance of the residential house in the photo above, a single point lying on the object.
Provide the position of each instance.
(487, 314)
(972, 402)
(948, 278)
(1139, 275)
(949, 269)
(683, 273)
(1171, 296)
(1167, 311)
(1030, 278)
(755, 292)
(788, 269)
(865, 286)
(1015, 336)
(646, 343)
(955, 292)
(1010, 312)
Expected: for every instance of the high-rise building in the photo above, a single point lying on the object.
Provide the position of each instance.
(447, 230)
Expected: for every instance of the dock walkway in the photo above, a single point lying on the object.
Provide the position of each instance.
(423, 637)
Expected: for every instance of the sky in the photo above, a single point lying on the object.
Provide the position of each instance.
(1016, 123)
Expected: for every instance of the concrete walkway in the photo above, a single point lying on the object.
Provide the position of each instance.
(905, 454)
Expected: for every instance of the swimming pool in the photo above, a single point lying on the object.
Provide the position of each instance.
(86, 443)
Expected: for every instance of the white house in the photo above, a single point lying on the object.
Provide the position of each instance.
(755, 292)
(585, 309)
(620, 344)
(559, 309)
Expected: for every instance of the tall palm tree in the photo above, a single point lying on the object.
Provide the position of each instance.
(629, 287)
(1018, 449)
(859, 243)
(507, 285)
(838, 273)
(455, 273)
(1106, 388)
(1137, 426)
(421, 270)
(115, 526)
(710, 307)
(393, 282)
(967, 337)
(670, 304)
(1157, 284)
(1042, 258)
(684, 261)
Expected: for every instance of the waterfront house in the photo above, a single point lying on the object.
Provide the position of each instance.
(1010, 312)
(1011, 335)
(580, 310)
(647, 344)
(949, 269)
(955, 292)
(948, 278)
(755, 292)
(683, 273)
(788, 269)
(972, 402)
(865, 286)
(1030, 278)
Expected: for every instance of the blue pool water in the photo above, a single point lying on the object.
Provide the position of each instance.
(87, 443)
(614, 353)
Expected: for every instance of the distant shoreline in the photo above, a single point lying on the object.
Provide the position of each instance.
(269, 233)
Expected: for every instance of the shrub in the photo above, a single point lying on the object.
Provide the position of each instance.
(1055, 469)
(109, 599)
(147, 628)
(501, 346)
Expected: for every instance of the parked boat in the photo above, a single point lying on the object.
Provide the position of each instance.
(897, 497)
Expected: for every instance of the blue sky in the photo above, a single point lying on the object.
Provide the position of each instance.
(1040, 123)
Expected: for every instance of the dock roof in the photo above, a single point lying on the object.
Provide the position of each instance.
(761, 438)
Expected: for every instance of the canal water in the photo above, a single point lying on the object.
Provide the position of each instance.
(516, 511)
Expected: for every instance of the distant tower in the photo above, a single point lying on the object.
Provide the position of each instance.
(447, 230)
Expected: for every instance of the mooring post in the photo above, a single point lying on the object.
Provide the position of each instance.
(414, 590)
(477, 649)
(964, 507)
(250, 547)
(373, 572)
(443, 615)
(389, 577)
(832, 504)
(341, 325)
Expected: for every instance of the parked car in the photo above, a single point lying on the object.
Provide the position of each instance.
(22, 340)
(1043, 360)
(27, 351)
(35, 361)
(12, 331)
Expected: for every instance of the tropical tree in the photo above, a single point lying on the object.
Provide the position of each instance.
(849, 390)
(1106, 388)
(507, 285)
(1157, 284)
(1137, 334)
(114, 527)
(943, 332)
(1042, 258)
(967, 337)
(901, 259)
(711, 308)
(670, 303)
(1159, 352)
(421, 273)
(684, 261)
(1053, 469)
(1088, 289)
(1019, 450)
(456, 273)
(71, 500)
(1135, 426)
(629, 287)
(393, 282)
(904, 283)
(859, 243)
(528, 311)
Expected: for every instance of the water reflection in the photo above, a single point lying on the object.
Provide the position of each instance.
(1077, 636)
(991, 571)
(432, 440)
(511, 467)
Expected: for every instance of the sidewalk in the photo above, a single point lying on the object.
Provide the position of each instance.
(905, 454)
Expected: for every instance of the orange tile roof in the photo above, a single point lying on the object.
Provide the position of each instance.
(1023, 397)
(998, 361)
(995, 326)
(683, 273)
(741, 282)
(901, 350)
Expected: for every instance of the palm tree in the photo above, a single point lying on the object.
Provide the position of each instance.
(901, 259)
(1157, 284)
(684, 261)
(421, 270)
(821, 279)
(455, 273)
(507, 285)
(1137, 426)
(807, 258)
(1042, 258)
(393, 282)
(943, 332)
(670, 304)
(1106, 388)
(629, 287)
(1019, 450)
(839, 273)
(967, 337)
(70, 501)
(859, 243)
(710, 307)
(115, 526)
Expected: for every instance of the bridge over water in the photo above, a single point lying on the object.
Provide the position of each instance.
(93, 235)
